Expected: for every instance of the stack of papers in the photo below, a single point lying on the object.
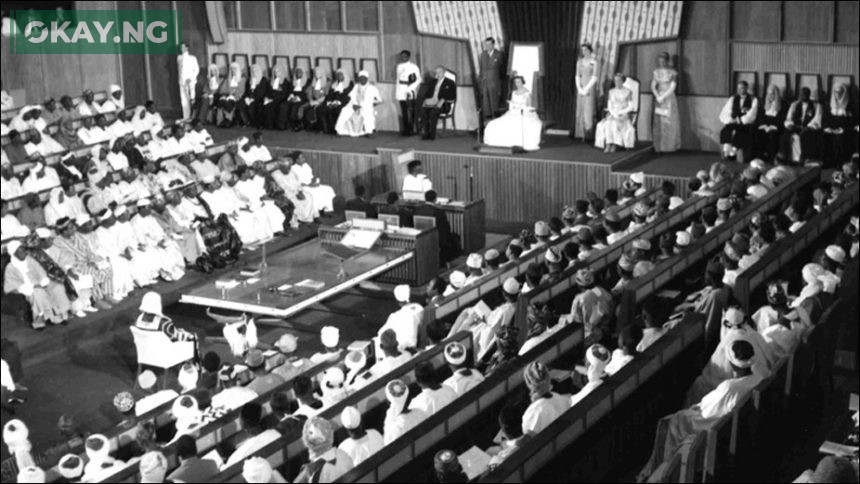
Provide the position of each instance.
(226, 283)
(474, 461)
(312, 284)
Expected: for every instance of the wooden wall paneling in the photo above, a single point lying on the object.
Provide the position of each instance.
(398, 32)
(372, 68)
(353, 44)
(242, 60)
(808, 21)
(780, 80)
(703, 78)
(395, 43)
(794, 58)
(705, 21)
(134, 79)
(327, 65)
(302, 62)
(348, 66)
(835, 79)
(846, 22)
(754, 20)
(451, 53)
(646, 60)
(164, 74)
(700, 118)
(62, 74)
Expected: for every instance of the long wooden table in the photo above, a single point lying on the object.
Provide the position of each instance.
(394, 258)
(467, 219)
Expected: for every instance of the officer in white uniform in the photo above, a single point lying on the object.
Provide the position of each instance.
(415, 183)
(408, 80)
(188, 71)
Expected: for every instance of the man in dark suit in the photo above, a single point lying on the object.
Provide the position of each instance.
(490, 81)
(448, 247)
(360, 203)
(192, 468)
(393, 208)
(437, 102)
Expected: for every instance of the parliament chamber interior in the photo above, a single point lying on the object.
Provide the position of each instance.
(429, 241)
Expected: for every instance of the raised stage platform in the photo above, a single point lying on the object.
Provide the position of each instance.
(521, 187)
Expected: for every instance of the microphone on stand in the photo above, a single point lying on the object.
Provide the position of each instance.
(471, 181)
(454, 178)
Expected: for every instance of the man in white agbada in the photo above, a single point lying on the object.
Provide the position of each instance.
(120, 244)
(398, 418)
(122, 125)
(463, 377)
(252, 190)
(254, 151)
(710, 409)
(391, 358)
(132, 187)
(322, 195)
(361, 443)
(433, 396)
(115, 157)
(199, 135)
(289, 182)
(178, 142)
(596, 358)
(483, 326)
(358, 117)
(62, 204)
(406, 320)
(115, 101)
(202, 166)
(222, 199)
(88, 105)
(42, 144)
(169, 258)
(41, 177)
(90, 232)
(189, 69)
(147, 118)
(25, 276)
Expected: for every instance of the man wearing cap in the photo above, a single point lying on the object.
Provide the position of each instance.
(392, 358)
(492, 260)
(149, 233)
(399, 418)
(612, 224)
(152, 398)
(833, 260)
(456, 280)
(711, 301)
(408, 79)
(201, 164)
(464, 377)
(330, 338)
(223, 199)
(25, 276)
(554, 263)
(40, 177)
(406, 320)
(79, 294)
(253, 436)
(326, 462)
(88, 105)
(638, 180)
(360, 443)
(95, 232)
(322, 195)
(358, 118)
(710, 410)
(592, 307)
(12, 227)
(626, 264)
(475, 264)
(115, 101)
(127, 242)
(484, 328)
(415, 180)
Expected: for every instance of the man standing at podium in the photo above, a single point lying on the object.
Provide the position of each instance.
(408, 80)
(415, 183)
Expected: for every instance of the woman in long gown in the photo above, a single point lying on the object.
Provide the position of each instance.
(616, 129)
(520, 125)
(666, 125)
(769, 132)
(586, 92)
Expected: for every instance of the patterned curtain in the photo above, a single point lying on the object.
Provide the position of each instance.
(473, 21)
(605, 24)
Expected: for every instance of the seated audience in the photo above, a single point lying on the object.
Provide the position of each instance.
(398, 418)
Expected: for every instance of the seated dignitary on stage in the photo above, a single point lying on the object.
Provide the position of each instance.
(769, 131)
(338, 97)
(840, 138)
(358, 117)
(616, 129)
(439, 101)
(520, 125)
(802, 137)
(738, 117)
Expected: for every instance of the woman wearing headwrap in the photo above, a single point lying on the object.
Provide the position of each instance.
(326, 462)
(546, 405)
(153, 467)
(206, 112)
(335, 100)
(25, 276)
(230, 96)
(251, 104)
(296, 98)
(666, 124)
(674, 430)
(275, 113)
(718, 369)
(840, 139)
(317, 92)
(770, 129)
